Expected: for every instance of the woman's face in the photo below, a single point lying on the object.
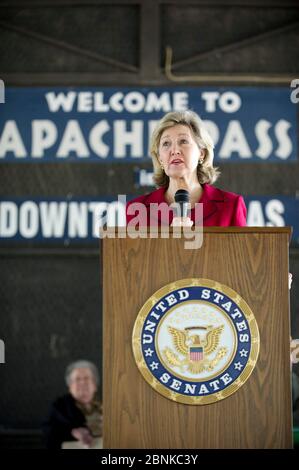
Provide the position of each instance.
(178, 152)
(82, 385)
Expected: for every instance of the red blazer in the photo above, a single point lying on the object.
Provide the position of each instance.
(220, 208)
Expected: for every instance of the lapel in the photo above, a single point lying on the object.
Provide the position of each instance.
(211, 197)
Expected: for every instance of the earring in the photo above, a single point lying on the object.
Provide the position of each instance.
(161, 165)
(200, 161)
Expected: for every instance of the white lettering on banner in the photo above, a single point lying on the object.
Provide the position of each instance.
(270, 216)
(180, 101)
(273, 211)
(265, 143)
(285, 145)
(58, 219)
(61, 101)
(229, 101)
(8, 219)
(99, 106)
(44, 136)
(78, 220)
(95, 139)
(11, 141)
(82, 219)
(124, 137)
(73, 141)
(234, 141)
(97, 209)
(157, 104)
(128, 139)
(255, 215)
(53, 218)
(84, 102)
(210, 98)
(133, 102)
(29, 215)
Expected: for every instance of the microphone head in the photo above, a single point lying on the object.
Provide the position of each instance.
(182, 196)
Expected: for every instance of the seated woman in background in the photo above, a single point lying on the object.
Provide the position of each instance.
(182, 154)
(77, 415)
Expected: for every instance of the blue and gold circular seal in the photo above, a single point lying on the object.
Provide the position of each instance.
(196, 341)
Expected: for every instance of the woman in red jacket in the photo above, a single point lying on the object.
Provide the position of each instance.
(182, 153)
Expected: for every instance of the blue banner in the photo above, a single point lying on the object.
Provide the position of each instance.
(114, 124)
(78, 220)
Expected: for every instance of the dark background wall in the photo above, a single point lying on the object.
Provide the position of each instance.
(50, 299)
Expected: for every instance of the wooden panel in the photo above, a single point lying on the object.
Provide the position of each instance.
(253, 263)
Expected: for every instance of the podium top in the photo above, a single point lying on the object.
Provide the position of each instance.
(122, 230)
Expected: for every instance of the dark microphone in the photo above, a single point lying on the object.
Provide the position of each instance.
(182, 198)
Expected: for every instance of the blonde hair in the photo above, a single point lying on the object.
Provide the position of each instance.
(206, 173)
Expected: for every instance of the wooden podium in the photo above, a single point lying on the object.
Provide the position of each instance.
(253, 262)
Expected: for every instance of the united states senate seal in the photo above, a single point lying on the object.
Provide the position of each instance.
(196, 341)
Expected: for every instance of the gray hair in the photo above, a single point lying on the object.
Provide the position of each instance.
(81, 365)
(206, 172)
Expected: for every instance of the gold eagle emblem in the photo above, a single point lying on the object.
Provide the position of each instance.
(195, 349)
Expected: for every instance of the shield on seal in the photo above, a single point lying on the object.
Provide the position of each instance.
(196, 353)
